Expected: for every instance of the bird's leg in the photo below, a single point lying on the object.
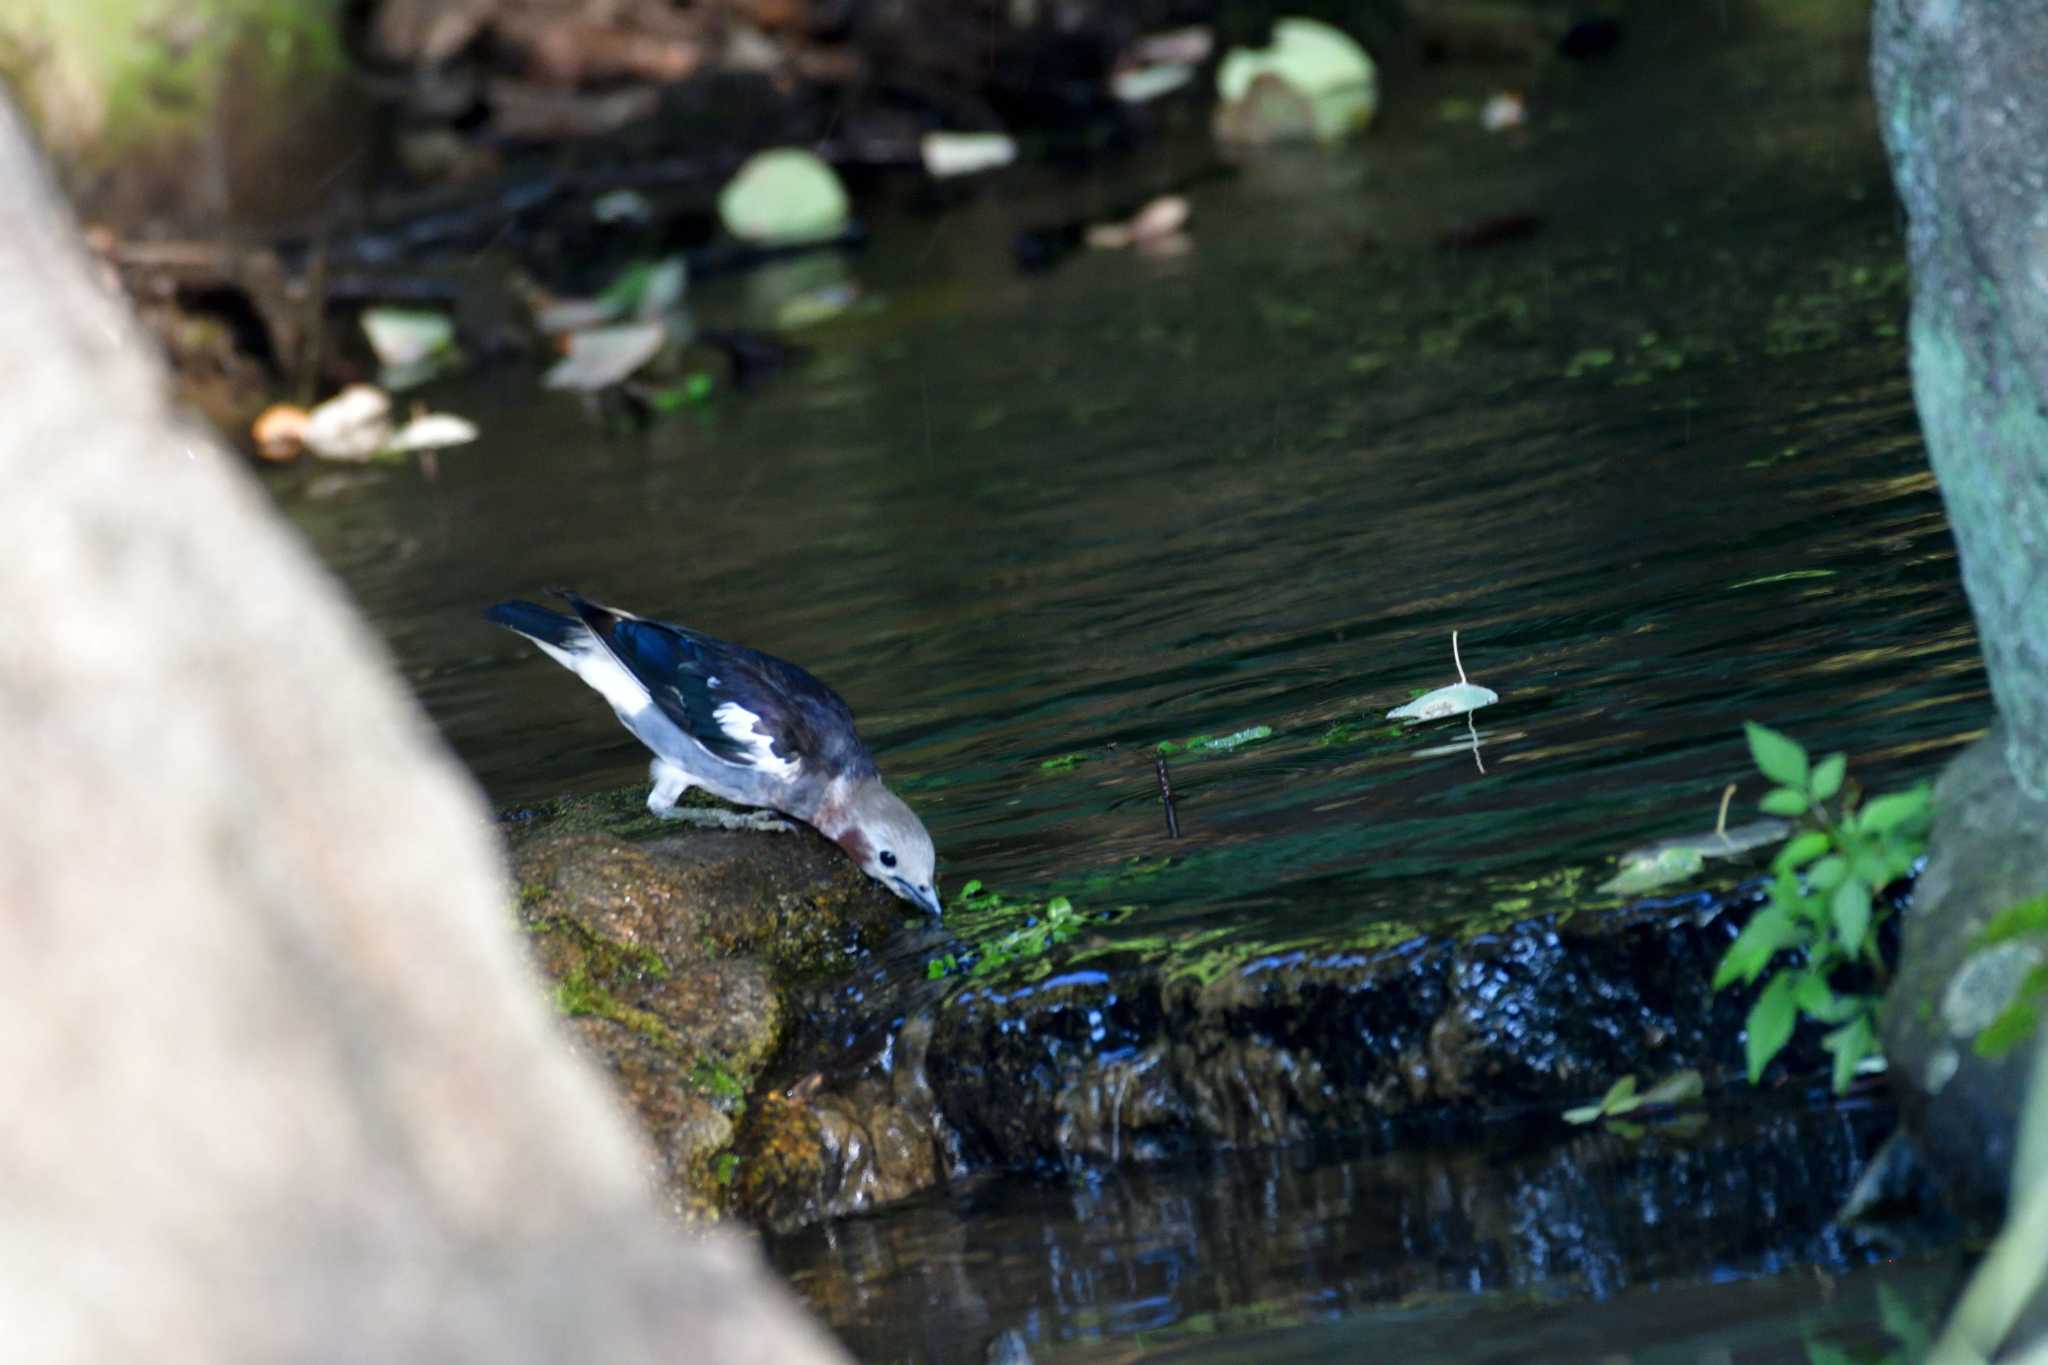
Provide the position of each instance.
(670, 782)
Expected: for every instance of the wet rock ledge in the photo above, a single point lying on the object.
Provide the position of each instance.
(769, 1013)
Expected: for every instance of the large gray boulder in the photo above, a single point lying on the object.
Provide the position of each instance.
(1962, 89)
(278, 1081)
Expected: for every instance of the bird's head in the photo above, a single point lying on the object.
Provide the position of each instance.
(889, 842)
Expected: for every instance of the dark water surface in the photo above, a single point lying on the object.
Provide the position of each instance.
(1477, 1251)
(1658, 465)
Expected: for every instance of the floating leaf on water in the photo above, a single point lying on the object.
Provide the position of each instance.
(1647, 874)
(404, 337)
(1715, 843)
(783, 197)
(1680, 1087)
(1141, 84)
(1453, 700)
(950, 154)
(352, 425)
(431, 431)
(1322, 65)
(602, 356)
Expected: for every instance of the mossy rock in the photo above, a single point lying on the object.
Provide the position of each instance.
(675, 955)
(130, 95)
(1989, 851)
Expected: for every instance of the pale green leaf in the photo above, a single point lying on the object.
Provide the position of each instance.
(1851, 910)
(1895, 809)
(1777, 756)
(1769, 1026)
(1784, 801)
(1827, 777)
(1620, 1096)
(1801, 849)
(1849, 1044)
(1817, 999)
(1680, 1087)
(1768, 930)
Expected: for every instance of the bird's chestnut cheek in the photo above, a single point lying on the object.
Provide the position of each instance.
(856, 846)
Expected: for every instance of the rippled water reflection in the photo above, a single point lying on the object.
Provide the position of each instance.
(1457, 1253)
(1659, 466)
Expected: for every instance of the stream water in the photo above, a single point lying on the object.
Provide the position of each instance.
(1657, 465)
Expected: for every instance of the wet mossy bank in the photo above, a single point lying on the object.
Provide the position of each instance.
(772, 1017)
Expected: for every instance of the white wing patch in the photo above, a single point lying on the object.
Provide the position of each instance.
(592, 662)
(743, 726)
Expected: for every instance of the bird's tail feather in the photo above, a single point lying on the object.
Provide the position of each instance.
(536, 623)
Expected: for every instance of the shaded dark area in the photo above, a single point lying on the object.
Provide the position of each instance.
(1399, 1244)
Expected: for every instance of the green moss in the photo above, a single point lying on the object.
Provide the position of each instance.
(130, 71)
(580, 994)
(608, 959)
(716, 1080)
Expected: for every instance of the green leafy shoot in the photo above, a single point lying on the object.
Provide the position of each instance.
(1063, 763)
(1679, 1088)
(1823, 908)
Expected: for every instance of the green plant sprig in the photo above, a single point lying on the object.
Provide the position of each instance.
(1823, 908)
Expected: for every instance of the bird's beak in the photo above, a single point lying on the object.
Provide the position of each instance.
(919, 895)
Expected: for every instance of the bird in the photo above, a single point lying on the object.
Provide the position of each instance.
(743, 725)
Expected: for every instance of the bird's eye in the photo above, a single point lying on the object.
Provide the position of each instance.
(888, 858)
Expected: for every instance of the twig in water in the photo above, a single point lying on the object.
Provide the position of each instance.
(1166, 798)
(1721, 820)
(1456, 660)
(1470, 728)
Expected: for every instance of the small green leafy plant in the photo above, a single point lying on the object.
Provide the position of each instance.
(1823, 912)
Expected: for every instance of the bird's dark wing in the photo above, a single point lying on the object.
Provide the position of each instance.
(783, 716)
